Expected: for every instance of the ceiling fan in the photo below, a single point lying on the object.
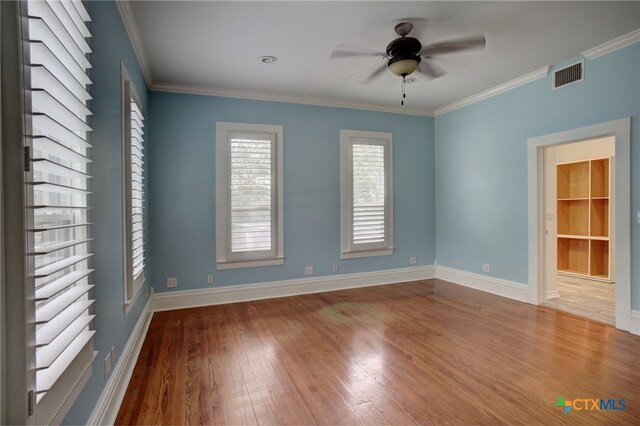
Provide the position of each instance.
(407, 54)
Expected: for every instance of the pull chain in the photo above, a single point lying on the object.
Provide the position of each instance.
(403, 92)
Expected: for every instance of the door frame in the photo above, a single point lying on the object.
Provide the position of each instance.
(621, 130)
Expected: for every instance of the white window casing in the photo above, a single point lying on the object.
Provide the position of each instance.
(61, 200)
(133, 166)
(249, 195)
(366, 190)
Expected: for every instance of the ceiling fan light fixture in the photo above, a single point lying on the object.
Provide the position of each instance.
(403, 67)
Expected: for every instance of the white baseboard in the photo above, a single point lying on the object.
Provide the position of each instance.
(243, 293)
(635, 322)
(552, 294)
(497, 286)
(108, 405)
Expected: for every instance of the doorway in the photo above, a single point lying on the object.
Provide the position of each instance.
(579, 227)
(619, 130)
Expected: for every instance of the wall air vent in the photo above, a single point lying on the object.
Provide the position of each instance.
(567, 75)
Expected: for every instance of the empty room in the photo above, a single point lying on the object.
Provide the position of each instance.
(319, 212)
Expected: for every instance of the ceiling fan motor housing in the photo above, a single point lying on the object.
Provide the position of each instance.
(405, 53)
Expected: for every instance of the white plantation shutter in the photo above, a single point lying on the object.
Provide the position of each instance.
(135, 188)
(366, 193)
(248, 195)
(368, 188)
(61, 200)
(252, 194)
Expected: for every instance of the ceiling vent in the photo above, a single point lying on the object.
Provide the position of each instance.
(571, 74)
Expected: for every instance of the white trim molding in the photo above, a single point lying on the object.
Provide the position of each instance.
(509, 289)
(136, 41)
(505, 87)
(243, 293)
(635, 322)
(273, 134)
(621, 130)
(349, 249)
(272, 97)
(613, 45)
(108, 405)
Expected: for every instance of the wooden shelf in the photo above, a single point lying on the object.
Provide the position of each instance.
(599, 262)
(574, 237)
(600, 178)
(573, 217)
(573, 255)
(573, 180)
(583, 218)
(599, 217)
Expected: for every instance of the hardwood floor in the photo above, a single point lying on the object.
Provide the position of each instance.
(422, 352)
(587, 298)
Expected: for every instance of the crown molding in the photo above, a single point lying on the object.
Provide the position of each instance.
(613, 45)
(134, 35)
(505, 87)
(265, 96)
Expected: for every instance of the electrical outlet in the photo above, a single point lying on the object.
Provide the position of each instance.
(172, 282)
(308, 270)
(113, 356)
(486, 267)
(457, 261)
(210, 279)
(334, 268)
(107, 366)
(412, 260)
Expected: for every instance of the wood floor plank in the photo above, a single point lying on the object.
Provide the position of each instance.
(427, 352)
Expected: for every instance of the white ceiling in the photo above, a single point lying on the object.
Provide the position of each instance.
(217, 45)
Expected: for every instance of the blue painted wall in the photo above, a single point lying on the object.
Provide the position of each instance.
(481, 162)
(182, 202)
(111, 47)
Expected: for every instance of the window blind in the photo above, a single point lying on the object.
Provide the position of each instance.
(61, 199)
(368, 193)
(252, 195)
(137, 258)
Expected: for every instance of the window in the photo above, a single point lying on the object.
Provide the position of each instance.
(249, 195)
(59, 203)
(134, 189)
(366, 193)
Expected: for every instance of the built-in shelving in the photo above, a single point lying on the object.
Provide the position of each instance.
(583, 212)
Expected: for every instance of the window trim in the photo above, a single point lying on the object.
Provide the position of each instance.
(224, 259)
(348, 251)
(132, 288)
